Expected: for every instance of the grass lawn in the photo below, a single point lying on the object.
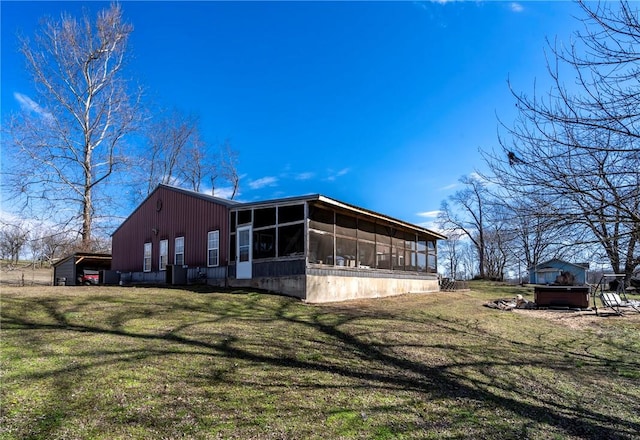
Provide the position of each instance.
(158, 363)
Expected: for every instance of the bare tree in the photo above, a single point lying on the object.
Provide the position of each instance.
(572, 158)
(13, 237)
(229, 168)
(172, 138)
(467, 214)
(449, 254)
(69, 141)
(179, 156)
(48, 243)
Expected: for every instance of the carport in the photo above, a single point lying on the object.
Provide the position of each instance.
(70, 270)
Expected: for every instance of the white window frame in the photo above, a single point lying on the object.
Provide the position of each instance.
(163, 249)
(146, 261)
(179, 250)
(213, 245)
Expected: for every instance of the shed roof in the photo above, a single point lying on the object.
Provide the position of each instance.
(557, 261)
(80, 257)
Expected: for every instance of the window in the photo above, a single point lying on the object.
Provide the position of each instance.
(383, 256)
(264, 217)
(146, 265)
(321, 219)
(179, 255)
(398, 254)
(264, 243)
(244, 217)
(432, 259)
(244, 246)
(213, 248)
(232, 248)
(290, 214)
(346, 225)
(422, 254)
(232, 222)
(164, 254)
(320, 248)
(345, 252)
(291, 240)
(366, 254)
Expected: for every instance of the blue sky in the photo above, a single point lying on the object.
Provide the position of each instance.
(380, 104)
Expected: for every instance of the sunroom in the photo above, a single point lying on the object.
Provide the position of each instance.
(320, 249)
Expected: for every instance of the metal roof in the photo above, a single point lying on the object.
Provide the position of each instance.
(339, 204)
(199, 195)
(234, 205)
(83, 256)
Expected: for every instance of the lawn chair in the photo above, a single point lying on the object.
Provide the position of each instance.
(613, 301)
(617, 300)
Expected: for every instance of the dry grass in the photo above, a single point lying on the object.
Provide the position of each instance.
(24, 275)
(148, 363)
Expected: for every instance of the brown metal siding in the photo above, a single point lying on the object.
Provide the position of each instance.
(172, 214)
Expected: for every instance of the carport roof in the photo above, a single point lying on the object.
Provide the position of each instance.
(84, 257)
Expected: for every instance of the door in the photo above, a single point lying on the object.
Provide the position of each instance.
(243, 252)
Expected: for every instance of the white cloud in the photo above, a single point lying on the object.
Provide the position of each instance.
(449, 187)
(223, 192)
(262, 182)
(422, 4)
(516, 7)
(29, 105)
(428, 214)
(305, 176)
(334, 175)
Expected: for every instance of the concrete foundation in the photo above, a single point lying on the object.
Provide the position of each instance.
(290, 286)
(327, 288)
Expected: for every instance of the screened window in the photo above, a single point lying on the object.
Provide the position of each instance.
(431, 264)
(422, 262)
(232, 222)
(264, 217)
(291, 240)
(290, 214)
(345, 252)
(264, 243)
(146, 264)
(411, 246)
(164, 254)
(432, 259)
(383, 256)
(179, 254)
(232, 247)
(213, 248)
(366, 230)
(244, 217)
(346, 225)
(344, 239)
(366, 254)
(320, 248)
(399, 256)
(321, 219)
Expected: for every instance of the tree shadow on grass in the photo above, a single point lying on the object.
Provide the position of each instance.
(341, 349)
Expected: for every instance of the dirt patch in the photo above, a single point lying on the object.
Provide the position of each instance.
(579, 319)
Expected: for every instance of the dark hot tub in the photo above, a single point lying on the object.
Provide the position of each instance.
(562, 296)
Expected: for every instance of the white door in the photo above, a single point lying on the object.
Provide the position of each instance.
(243, 252)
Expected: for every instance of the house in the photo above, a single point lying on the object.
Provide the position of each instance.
(547, 272)
(311, 247)
(80, 268)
